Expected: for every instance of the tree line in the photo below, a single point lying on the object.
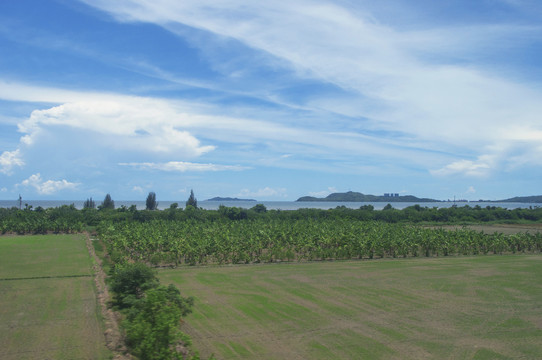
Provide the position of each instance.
(69, 219)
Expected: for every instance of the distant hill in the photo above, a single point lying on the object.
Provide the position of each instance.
(352, 196)
(228, 199)
(524, 199)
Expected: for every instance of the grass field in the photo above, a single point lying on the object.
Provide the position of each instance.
(486, 307)
(47, 299)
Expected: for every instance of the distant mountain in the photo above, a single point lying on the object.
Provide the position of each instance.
(228, 199)
(352, 196)
(524, 199)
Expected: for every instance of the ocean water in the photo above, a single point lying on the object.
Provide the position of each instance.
(270, 205)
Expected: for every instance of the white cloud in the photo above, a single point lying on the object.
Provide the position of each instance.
(417, 89)
(471, 190)
(265, 192)
(482, 167)
(164, 126)
(182, 166)
(167, 126)
(324, 193)
(3, 189)
(49, 186)
(425, 82)
(138, 189)
(123, 122)
(10, 159)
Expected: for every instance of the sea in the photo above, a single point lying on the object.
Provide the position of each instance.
(270, 205)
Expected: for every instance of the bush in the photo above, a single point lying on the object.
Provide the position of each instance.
(129, 282)
(152, 324)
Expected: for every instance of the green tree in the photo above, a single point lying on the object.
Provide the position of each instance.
(108, 203)
(192, 201)
(130, 281)
(259, 208)
(151, 203)
(152, 325)
(89, 204)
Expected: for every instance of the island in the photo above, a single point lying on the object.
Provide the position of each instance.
(524, 199)
(352, 196)
(228, 199)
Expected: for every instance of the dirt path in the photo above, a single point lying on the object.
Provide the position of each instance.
(113, 336)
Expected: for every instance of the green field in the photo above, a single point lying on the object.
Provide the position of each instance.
(485, 307)
(48, 304)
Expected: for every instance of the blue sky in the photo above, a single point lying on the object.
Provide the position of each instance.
(270, 101)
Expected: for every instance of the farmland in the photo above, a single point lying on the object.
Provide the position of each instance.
(291, 289)
(484, 307)
(48, 304)
(253, 241)
(303, 284)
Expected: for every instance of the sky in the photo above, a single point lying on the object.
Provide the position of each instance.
(270, 100)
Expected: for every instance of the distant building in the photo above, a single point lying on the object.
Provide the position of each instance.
(386, 195)
(396, 195)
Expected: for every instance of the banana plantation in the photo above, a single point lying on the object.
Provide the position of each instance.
(193, 242)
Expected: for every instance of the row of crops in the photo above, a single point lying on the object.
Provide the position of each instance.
(193, 242)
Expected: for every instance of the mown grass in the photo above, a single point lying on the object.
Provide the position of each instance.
(43, 255)
(457, 308)
(48, 304)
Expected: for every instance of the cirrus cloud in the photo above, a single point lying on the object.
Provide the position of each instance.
(425, 82)
(183, 166)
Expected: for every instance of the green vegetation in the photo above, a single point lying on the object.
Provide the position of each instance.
(129, 283)
(68, 219)
(47, 299)
(150, 203)
(270, 240)
(89, 204)
(483, 307)
(192, 201)
(43, 256)
(152, 325)
(152, 313)
(525, 199)
(359, 197)
(277, 306)
(108, 203)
